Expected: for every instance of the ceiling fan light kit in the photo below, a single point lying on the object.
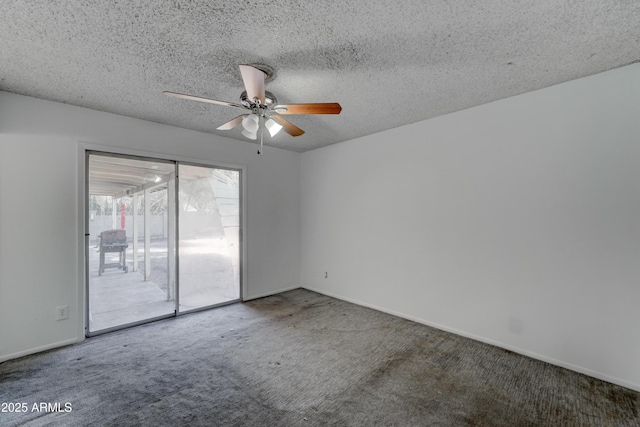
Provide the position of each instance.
(273, 127)
(249, 135)
(250, 123)
(265, 111)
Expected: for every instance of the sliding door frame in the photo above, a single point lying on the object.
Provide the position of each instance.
(84, 150)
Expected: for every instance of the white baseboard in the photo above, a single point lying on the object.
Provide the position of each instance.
(38, 349)
(268, 294)
(533, 355)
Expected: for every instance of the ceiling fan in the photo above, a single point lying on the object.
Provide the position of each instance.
(264, 110)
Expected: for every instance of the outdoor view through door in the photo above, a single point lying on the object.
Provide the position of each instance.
(135, 210)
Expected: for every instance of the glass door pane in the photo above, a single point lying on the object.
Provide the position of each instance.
(131, 253)
(209, 236)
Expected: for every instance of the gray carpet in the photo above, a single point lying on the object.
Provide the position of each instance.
(302, 359)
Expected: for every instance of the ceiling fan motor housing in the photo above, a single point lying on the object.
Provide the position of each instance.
(269, 99)
(256, 106)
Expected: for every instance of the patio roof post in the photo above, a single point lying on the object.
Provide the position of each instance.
(147, 234)
(135, 226)
(171, 237)
(114, 213)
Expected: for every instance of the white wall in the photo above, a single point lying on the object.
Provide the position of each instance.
(40, 162)
(516, 223)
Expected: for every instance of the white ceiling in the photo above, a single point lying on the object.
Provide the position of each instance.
(387, 63)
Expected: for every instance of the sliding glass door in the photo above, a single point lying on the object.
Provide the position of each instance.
(131, 262)
(137, 270)
(209, 242)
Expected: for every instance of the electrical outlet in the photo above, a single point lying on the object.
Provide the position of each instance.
(62, 312)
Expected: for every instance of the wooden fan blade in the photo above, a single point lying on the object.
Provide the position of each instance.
(232, 123)
(201, 99)
(328, 108)
(253, 82)
(287, 126)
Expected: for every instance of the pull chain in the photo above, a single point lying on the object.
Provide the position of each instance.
(261, 123)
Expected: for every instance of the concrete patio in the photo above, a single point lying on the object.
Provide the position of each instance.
(117, 298)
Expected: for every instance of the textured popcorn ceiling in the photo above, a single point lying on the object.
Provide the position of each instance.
(387, 63)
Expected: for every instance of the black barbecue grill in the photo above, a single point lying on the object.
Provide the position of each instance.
(113, 241)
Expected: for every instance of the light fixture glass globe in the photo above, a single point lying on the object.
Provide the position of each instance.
(250, 123)
(250, 135)
(273, 127)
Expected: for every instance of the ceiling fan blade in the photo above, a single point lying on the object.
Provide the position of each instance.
(287, 126)
(232, 123)
(328, 108)
(253, 82)
(201, 99)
